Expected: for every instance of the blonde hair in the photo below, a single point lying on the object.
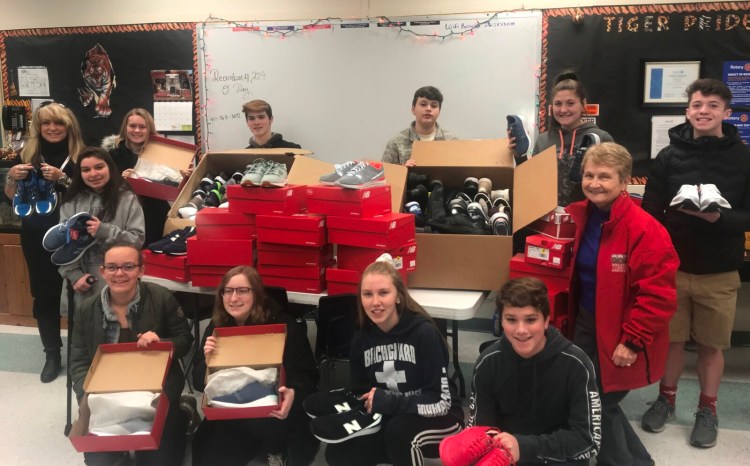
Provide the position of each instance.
(612, 155)
(57, 113)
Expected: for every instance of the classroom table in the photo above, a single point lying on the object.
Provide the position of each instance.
(451, 305)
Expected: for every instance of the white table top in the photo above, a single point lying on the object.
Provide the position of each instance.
(440, 304)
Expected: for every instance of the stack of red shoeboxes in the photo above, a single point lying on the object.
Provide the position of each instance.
(166, 266)
(293, 251)
(362, 226)
(548, 256)
(224, 239)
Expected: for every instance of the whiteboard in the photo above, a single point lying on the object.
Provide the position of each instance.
(344, 92)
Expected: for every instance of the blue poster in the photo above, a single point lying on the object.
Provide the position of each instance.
(657, 76)
(742, 121)
(736, 76)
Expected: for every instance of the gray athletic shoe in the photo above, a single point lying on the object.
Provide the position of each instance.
(275, 175)
(339, 170)
(363, 175)
(254, 173)
(657, 415)
(705, 430)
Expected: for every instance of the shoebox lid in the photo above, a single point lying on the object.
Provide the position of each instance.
(255, 346)
(446, 261)
(520, 265)
(382, 224)
(201, 251)
(311, 272)
(236, 191)
(163, 151)
(212, 216)
(306, 222)
(230, 161)
(123, 367)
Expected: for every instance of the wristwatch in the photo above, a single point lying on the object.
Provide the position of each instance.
(9, 180)
(65, 180)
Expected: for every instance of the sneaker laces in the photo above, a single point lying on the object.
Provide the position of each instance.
(481, 446)
(343, 168)
(275, 460)
(258, 167)
(357, 168)
(707, 418)
(277, 169)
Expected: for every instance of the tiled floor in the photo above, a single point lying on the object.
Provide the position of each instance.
(34, 413)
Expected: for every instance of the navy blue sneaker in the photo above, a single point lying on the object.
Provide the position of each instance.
(47, 199)
(77, 240)
(517, 130)
(55, 238)
(26, 195)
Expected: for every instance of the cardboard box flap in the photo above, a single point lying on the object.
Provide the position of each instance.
(123, 367)
(454, 153)
(534, 188)
(253, 345)
(163, 151)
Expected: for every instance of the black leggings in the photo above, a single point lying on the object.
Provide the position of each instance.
(404, 439)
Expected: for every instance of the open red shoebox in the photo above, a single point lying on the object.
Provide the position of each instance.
(220, 251)
(353, 203)
(163, 151)
(296, 256)
(220, 223)
(254, 346)
(299, 229)
(124, 367)
(378, 232)
(549, 252)
(557, 224)
(354, 258)
(166, 266)
(270, 201)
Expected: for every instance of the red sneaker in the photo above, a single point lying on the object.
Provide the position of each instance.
(468, 446)
(496, 457)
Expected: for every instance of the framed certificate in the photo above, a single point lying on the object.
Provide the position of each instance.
(664, 82)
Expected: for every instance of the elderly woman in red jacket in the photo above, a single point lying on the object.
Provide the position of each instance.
(623, 294)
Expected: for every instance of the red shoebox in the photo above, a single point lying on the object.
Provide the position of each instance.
(380, 232)
(558, 308)
(353, 203)
(341, 281)
(301, 285)
(166, 266)
(270, 201)
(556, 279)
(549, 252)
(254, 346)
(557, 224)
(220, 251)
(162, 151)
(312, 273)
(220, 223)
(124, 367)
(208, 275)
(354, 258)
(299, 229)
(297, 256)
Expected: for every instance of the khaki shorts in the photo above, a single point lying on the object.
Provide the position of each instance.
(705, 308)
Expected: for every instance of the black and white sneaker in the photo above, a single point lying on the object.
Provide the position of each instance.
(711, 199)
(178, 247)
(333, 402)
(337, 428)
(158, 246)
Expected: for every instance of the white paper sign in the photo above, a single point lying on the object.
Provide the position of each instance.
(33, 81)
(660, 126)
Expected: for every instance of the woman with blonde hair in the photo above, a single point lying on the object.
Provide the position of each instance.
(49, 156)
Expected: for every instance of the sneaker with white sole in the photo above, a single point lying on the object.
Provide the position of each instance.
(711, 199)
(706, 429)
(363, 175)
(500, 224)
(658, 415)
(274, 176)
(339, 170)
(688, 197)
(254, 173)
(340, 427)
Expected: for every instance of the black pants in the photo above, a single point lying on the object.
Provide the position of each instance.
(171, 450)
(404, 439)
(46, 287)
(620, 443)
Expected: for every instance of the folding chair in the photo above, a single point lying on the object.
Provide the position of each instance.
(336, 320)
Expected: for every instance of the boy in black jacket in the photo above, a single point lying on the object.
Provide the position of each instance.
(533, 385)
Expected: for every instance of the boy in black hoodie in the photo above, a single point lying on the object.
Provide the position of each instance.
(535, 386)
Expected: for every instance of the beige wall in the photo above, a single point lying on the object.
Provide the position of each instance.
(65, 13)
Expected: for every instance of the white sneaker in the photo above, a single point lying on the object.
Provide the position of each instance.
(711, 199)
(687, 198)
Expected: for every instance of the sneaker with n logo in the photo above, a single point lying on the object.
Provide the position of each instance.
(337, 428)
(333, 402)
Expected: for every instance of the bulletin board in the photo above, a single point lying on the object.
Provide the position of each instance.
(343, 88)
(127, 53)
(608, 47)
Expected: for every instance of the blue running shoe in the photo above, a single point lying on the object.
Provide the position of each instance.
(517, 130)
(47, 197)
(26, 193)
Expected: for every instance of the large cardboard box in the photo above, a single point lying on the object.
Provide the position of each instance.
(254, 346)
(230, 161)
(480, 262)
(124, 367)
(163, 151)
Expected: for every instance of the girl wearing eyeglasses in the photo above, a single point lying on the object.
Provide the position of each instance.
(241, 300)
(117, 216)
(49, 153)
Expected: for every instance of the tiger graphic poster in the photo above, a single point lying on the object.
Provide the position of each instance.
(98, 81)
